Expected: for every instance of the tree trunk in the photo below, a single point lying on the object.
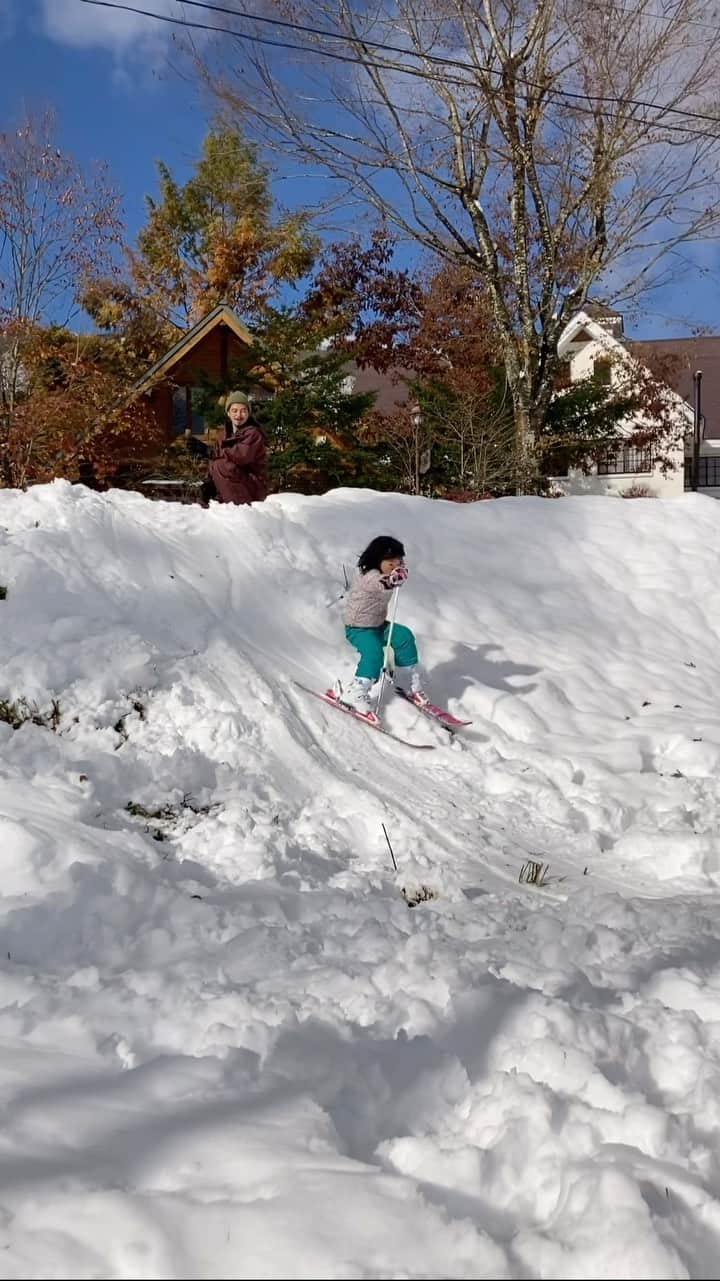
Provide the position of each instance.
(526, 463)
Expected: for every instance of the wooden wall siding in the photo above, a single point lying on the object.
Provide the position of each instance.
(162, 406)
(213, 356)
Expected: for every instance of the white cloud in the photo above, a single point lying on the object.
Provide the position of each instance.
(88, 26)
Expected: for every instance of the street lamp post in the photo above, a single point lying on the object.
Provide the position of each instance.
(697, 420)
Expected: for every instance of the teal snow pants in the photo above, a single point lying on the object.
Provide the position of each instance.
(370, 643)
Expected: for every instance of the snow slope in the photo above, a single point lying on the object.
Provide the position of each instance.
(228, 1047)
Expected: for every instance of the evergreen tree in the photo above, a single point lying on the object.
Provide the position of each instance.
(215, 238)
(583, 419)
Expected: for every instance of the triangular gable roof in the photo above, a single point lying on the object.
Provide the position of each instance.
(595, 332)
(582, 322)
(220, 315)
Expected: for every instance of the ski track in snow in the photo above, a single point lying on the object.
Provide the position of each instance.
(229, 1048)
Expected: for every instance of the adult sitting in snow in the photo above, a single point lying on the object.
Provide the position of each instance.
(238, 462)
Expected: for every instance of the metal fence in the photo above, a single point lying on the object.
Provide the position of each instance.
(708, 473)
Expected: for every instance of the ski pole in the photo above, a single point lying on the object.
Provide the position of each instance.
(388, 655)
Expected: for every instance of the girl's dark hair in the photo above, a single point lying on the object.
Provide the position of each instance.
(382, 548)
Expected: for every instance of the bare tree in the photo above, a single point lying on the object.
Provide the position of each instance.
(409, 437)
(458, 443)
(482, 431)
(56, 226)
(554, 146)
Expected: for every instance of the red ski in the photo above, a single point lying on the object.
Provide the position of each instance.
(333, 701)
(446, 719)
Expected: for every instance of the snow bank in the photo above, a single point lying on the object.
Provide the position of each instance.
(229, 1048)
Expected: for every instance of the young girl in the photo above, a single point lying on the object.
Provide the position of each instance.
(381, 568)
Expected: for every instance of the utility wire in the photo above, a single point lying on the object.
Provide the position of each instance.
(600, 99)
(383, 48)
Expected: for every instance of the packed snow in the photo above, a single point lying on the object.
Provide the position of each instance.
(234, 1042)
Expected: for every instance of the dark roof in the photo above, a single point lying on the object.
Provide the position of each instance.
(391, 388)
(608, 317)
(688, 355)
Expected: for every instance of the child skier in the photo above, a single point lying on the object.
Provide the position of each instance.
(381, 568)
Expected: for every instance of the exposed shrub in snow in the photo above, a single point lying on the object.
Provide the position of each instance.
(421, 894)
(19, 711)
(637, 491)
(166, 813)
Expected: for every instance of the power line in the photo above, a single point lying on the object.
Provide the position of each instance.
(229, 31)
(668, 17)
(440, 59)
(599, 99)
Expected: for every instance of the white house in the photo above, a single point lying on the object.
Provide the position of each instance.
(592, 343)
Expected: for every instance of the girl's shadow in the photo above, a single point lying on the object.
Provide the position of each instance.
(470, 665)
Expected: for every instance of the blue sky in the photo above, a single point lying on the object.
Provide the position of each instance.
(111, 79)
(116, 100)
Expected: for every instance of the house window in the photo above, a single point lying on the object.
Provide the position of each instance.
(197, 419)
(185, 411)
(602, 371)
(179, 410)
(624, 460)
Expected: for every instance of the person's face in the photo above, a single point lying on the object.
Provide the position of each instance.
(392, 562)
(238, 414)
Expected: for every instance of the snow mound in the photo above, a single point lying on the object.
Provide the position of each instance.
(230, 1047)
